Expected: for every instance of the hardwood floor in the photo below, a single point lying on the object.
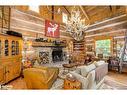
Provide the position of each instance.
(122, 78)
(19, 83)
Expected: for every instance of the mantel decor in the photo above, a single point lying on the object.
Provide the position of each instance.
(43, 42)
(47, 44)
(76, 26)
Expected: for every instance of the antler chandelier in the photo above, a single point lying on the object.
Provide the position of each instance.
(76, 26)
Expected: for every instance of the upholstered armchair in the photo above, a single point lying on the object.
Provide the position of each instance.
(113, 63)
(40, 77)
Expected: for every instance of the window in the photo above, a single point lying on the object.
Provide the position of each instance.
(103, 47)
(65, 17)
(17, 47)
(13, 48)
(6, 48)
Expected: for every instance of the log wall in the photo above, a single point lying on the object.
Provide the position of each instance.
(113, 28)
(31, 25)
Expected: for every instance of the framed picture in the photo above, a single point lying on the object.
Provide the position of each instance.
(52, 29)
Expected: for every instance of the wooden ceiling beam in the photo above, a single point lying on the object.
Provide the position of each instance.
(84, 12)
(90, 8)
(52, 12)
(67, 10)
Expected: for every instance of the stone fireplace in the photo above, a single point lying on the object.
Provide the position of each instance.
(50, 54)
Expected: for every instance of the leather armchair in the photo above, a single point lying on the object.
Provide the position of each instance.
(40, 77)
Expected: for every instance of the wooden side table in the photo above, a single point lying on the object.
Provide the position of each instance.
(71, 84)
(69, 66)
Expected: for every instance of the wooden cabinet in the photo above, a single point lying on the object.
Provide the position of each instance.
(0, 48)
(1, 74)
(9, 72)
(10, 57)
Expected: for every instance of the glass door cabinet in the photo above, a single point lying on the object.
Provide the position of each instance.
(17, 47)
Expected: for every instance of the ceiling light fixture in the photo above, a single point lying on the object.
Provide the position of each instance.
(75, 25)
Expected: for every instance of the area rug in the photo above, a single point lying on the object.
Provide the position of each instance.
(109, 83)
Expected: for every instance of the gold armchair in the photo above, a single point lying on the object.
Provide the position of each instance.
(40, 77)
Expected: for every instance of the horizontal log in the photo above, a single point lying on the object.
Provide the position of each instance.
(119, 32)
(107, 21)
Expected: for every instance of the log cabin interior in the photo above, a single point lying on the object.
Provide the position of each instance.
(63, 47)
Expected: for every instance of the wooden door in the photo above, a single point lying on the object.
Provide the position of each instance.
(9, 72)
(17, 69)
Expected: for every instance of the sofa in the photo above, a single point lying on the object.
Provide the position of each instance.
(91, 76)
(40, 77)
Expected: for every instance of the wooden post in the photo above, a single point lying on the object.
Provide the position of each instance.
(52, 12)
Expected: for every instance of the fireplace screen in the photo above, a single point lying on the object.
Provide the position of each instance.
(57, 55)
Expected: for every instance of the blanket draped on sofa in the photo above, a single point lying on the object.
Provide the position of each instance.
(100, 72)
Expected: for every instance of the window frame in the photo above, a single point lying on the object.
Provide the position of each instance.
(104, 38)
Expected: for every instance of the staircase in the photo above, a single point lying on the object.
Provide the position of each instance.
(123, 54)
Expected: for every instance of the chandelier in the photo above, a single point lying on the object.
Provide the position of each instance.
(76, 26)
